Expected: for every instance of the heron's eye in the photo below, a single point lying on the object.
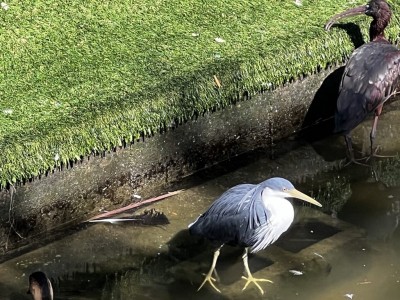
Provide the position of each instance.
(284, 189)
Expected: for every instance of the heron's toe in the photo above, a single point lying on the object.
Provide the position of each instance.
(255, 281)
(210, 280)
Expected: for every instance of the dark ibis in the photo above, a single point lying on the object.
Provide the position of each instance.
(371, 75)
(40, 287)
(252, 216)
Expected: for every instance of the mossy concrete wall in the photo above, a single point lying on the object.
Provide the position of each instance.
(148, 167)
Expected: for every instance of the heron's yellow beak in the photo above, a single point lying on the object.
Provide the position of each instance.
(299, 195)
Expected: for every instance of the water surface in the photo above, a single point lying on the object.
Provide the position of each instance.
(106, 261)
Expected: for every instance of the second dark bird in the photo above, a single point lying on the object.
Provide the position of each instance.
(371, 75)
(40, 287)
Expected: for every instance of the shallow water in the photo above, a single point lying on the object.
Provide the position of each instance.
(358, 260)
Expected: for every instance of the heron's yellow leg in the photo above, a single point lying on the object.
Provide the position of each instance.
(209, 277)
(250, 277)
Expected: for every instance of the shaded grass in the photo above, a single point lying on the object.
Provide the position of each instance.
(78, 78)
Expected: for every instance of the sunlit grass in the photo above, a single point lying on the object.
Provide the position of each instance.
(78, 77)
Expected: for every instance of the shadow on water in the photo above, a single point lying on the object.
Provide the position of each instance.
(319, 121)
(301, 236)
(13, 292)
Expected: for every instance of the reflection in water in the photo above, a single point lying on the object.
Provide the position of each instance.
(106, 261)
(140, 283)
(394, 216)
(388, 171)
(334, 194)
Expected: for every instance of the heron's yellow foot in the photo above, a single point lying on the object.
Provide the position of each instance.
(255, 281)
(209, 279)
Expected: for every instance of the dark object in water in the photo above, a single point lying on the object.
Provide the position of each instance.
(148, 217)
(40, 286)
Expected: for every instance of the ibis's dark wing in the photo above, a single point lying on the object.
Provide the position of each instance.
(233, 217)
(370, 77)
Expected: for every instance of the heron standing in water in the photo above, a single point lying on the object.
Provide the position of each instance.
(250, 216)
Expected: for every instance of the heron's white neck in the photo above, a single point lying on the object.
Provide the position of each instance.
(280, 214)
(279, 209)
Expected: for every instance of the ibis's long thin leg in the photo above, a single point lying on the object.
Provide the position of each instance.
(378, 112)
(349, 145)
(250, 277)
(212, 270)
(350, 152)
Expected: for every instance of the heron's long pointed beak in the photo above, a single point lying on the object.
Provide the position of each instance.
(299, 195)
(348, 13)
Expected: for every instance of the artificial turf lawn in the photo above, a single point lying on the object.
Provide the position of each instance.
(78, 77)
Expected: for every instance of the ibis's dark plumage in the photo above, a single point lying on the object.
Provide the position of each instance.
(251, 216)
(371, 75)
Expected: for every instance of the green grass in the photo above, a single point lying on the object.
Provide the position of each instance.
(78, 78)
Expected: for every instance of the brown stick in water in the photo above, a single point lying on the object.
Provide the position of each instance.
(134, 205)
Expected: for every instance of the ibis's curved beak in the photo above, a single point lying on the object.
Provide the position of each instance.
(299, 195)
(348, 13)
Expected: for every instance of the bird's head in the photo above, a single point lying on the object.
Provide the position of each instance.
(379, 10)
(284, 188)
(40, 286)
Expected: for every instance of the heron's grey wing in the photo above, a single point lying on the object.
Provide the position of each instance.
(234, 217)
(254, 214)
(370, 77)
(228, 203)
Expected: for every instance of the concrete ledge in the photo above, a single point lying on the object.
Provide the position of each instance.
(148, 167)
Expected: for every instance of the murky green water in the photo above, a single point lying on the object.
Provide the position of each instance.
(350, 248)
